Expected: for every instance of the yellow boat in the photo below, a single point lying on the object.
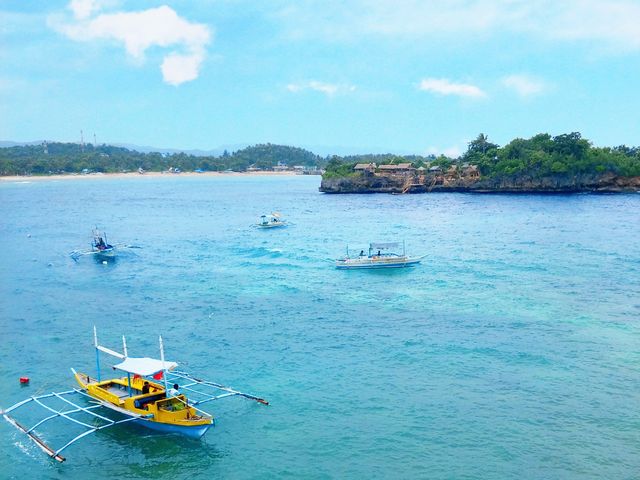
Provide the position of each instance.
(138, 396)
(155, 409)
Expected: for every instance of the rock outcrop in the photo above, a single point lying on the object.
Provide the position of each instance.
(561, 183)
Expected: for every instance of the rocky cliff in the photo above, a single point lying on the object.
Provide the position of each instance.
(604, 183)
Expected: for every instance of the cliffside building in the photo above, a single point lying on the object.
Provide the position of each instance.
(400, 169)
(470, 171)
(365, 167)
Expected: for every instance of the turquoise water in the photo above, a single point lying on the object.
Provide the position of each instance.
(512, 351)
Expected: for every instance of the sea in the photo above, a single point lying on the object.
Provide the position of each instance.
(512, 351)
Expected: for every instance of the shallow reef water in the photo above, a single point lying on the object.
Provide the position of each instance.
(511, 351)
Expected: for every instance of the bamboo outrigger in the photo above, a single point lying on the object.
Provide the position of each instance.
(144, 401)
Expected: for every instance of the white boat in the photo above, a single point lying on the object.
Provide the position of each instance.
(380, 255)
(273, 220)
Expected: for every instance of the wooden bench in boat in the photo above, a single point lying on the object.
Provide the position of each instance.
(141, 402)
(118, 391)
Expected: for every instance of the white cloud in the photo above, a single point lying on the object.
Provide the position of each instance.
(177, 69)
(329, 89)
(524, 85)
(442, 86)
(614, 22)
(84, 8)
(138, 31)
(451, 152)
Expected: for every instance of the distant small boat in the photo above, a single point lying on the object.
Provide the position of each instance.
(100, 248)
(99, 245)
(271, 221)
(380, 255)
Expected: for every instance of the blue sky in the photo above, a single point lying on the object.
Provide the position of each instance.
(334, 75)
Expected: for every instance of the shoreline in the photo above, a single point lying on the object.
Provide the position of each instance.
(92, 176)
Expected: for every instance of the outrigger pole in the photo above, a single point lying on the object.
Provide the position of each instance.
(66, 414)
(230, 391)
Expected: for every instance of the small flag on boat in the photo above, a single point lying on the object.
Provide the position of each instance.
(136, 376)
(159, 375)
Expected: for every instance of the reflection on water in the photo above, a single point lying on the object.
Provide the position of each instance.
(105, 259)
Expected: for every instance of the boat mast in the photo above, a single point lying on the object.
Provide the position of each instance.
(95, 343)
(164, 370)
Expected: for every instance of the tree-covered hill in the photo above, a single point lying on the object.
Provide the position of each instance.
(55, 158)
(543, 155)
(266, 156)
(540, 156)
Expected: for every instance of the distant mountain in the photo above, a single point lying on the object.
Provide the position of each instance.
(342, 151)
(8, 143)
(322, 150)
(215, 152)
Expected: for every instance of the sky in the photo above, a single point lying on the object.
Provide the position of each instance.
(334, 76)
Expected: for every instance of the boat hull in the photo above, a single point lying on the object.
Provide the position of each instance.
(376, 264)
(279, 225)
(371, 266)
(188, 431)
(106, 253)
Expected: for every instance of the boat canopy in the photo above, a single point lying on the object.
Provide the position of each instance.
(384, 246)
(144, 366)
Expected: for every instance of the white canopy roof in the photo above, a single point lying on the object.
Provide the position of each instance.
(144, 366)
(384, 246)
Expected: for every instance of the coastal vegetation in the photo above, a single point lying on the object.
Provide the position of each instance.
(539, 156)
(543, 155)
(60, 158)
